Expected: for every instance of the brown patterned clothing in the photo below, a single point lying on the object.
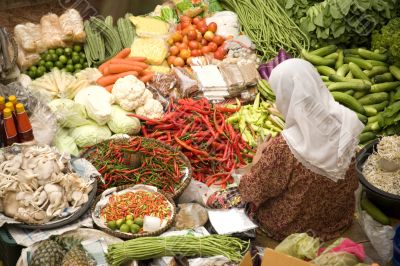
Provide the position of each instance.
(291, 198)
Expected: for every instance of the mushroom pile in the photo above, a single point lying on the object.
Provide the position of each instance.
(37, 184)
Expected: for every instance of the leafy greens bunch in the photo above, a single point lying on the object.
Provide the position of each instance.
(388, 39)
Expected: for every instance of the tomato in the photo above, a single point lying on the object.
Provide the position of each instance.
(192, 35)
(171, 59)
(212, 27)
(177, 37)
(174, 50)
(192, 27)
(196, 52)
(202, 22)
(204, 42)
(219, 55)
(218, 39)
(202, 29)
(196, 20)
(184, 54)
(213, 46)
(179, 62)
(199, 36)
(185, 18)
(185, 39)
(185, 24)
(179, 27)
(205, 49)
(181, 45)
(193, 45)
(209, 35)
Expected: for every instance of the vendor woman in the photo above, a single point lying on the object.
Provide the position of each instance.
(305, 180)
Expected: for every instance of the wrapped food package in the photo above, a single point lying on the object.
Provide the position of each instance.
(163, 83)
(71, 24)
(187, 84)
(154, 49)
(52, 35)
(149, 26)
(249, 73)
(233, 78)
(25, 60)
(28, 36)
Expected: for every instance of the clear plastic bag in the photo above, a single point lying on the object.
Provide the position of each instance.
(191, 215)
(25, 60)
(301, 246)
(187, 85)
(52, 35)
(71, 24)
(28, 36)
(196, 192)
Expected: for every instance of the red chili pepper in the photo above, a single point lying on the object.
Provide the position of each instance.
(184, 145)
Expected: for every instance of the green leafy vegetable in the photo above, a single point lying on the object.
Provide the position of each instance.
(388, 38)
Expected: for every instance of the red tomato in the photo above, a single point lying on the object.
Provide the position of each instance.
(202, 29)
(181, 45)
(179, 26)
(199, 36)
(171, 59)
(185, 18)
(185, 39)
(202, 22)
(192, 35)
(204, 42)
(219, 55)
(191, 27)
(193, 45)
(179, 62)
(174, 50)
(196, 20)
(213, 46)
(209, 36)
(185, 24)
(195, 53)
(184, 54)
(205, 49)
(177, 37)
(218, 39)
(212, 27)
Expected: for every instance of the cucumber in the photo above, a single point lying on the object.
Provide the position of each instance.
(383, 78)
(328, 83)
(366, 136)
(337, 78)
(357, 72)
(351, 51)
(339, 60)
(349, 92)
(362, 118)
(326, 50)
(395, 71)
(354, 56)
(373, 119)
(325, 70)
(325, 78)
(371, 55)
(378, 106)
(359, 94)
(343, 70)
(374, 126)
(349, 85)
(317, 60)
(395, 95)
(377, 63)
(332, 56)
(348, 101)
(349, 75)
(374, 212)
(377, 70)
(370, 111)
(359, 62)
(374, 98)
(387, 86)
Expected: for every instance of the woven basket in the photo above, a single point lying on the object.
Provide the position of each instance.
(144, 234)
(183, 185)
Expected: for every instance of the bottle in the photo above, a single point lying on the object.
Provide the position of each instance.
(11, 135)
(24, 126)
(12, 99)
(2, 106)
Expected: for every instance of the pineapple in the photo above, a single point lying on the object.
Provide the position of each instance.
(76, 256)
(48, 253)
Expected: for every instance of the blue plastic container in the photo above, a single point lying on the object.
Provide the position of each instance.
(396, 247)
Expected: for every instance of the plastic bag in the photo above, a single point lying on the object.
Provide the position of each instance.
(25, 60)
(65, 143)
(71, 24)
(300, 246)
(69, 113)
(342, 252)
(196, 192)
(191, 215)
(227, 22)
(52, 35)
(186, 84)
(28, 36)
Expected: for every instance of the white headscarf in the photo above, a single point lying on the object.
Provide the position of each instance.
(321, 133)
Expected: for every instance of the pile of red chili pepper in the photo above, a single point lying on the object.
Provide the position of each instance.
(213, 147)
(159, 167)
(138, 204)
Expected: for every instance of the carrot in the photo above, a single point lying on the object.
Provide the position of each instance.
(106, 70)
(146, 78)
(124, 61)
(103, 66)
(124, 53)
(109, 87)
(119, 68)
(136, 58)
(110, 79)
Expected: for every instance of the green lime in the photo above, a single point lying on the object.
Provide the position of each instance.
(124, 228)
(129, 222)
(138, 221)
(54, 57)
(77, 48)
(42, 62)
(78, 67)
(51, 51)
(70, 68)
(85, 65)
(43, 56)
(49, 65)
(120, 222)
(135, 228)
(33, 68)
(48, 57)
(59, 51)
(112, 225)
(75, 54)
(82, 55)
(76, 59)
(63, 59)
(129, 217)
(59, 64)
(82, 61)
(67, 51)
(69, 62)
(42, 68)
(32, 74)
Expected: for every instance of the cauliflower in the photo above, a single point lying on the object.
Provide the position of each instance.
(130, 93)
(151, 109)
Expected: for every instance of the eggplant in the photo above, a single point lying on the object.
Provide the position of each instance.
(263, 70)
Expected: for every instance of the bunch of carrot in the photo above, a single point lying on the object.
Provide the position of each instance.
(120, 66)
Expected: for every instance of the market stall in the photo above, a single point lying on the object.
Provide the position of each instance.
(194, 133)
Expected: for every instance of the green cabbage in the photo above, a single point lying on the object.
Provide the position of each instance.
(90, 135)
(120, 123)
(64, 143)
(69, 113)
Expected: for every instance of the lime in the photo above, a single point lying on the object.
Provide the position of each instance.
(78, 67)
(33, 68)
(67, 51)
(75, 54)
(48, 57)
(59, 64)
(42, 62)
(54, 57)
(43, 56)
(77, 48)
(70, 68)
(32, 74)
(76, 59)
(83, 60)
(85, 65)
(42, 68)
(138, 221)
(51, 51)
(69, 62)
(129, 217)
(59, 51)
(124, 228)
(82, 55)
(135, 228)
(49, 65)
(129, 222)
(120, 222)
(63, 59)
(112, 225)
